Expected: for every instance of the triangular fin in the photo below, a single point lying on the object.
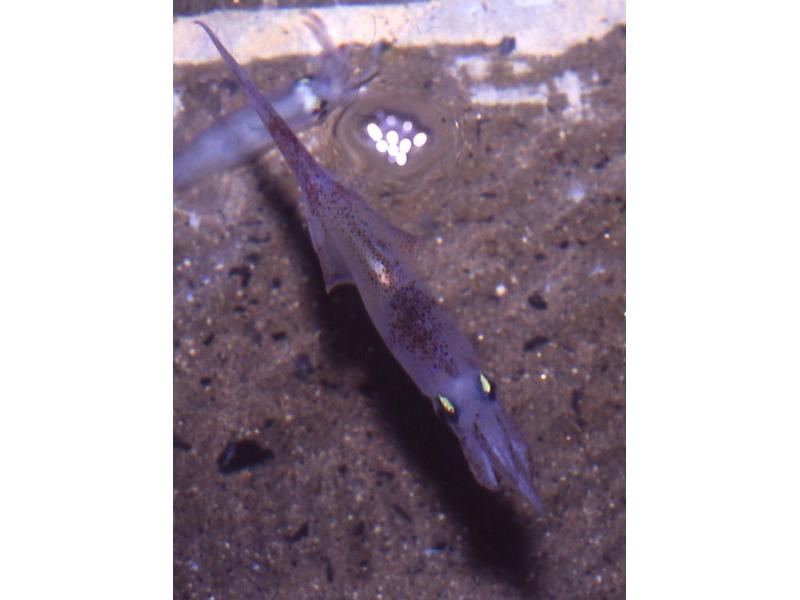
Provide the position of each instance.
(334, 269)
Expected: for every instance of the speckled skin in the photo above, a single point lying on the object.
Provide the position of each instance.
(356, 245)
(367, 495)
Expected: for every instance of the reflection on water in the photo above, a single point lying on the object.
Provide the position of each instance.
(397, 136)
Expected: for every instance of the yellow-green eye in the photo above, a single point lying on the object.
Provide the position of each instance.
(487, 387)
(446, 405)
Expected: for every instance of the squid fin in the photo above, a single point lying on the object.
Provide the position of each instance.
(335, 271)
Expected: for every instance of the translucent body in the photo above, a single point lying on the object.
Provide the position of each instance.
(356, 245)
(240, 136)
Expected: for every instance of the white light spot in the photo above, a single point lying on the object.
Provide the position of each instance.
(308, 98)
(520, 67)
(407, 125)
(520, 94)
(194, 220)
(392, 137)
(420, 139)
(569, 84)
(476, 67)
(405, 145)
(374, 132)
(391, 120)
(402, 157)
(392, 150)
(598, 269)
(500, 289)
(177, 103)
(576, 192)
(381, 145)
(381, 272)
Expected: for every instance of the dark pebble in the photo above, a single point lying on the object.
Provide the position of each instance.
(536, 301)
(244, 454)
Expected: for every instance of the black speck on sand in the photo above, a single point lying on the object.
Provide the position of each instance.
(307, 465)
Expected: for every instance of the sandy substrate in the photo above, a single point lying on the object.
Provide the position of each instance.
(306, 464)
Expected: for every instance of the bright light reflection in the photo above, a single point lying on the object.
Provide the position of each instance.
(374, 132)
(390, 143)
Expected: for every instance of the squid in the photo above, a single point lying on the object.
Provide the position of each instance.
(357, 246)
(239, 137)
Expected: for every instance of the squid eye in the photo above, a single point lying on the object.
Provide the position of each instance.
(320, 110)
(448, 409)
(488, 387)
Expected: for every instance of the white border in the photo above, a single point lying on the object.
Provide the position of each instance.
(712, 301)
(86, 249)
